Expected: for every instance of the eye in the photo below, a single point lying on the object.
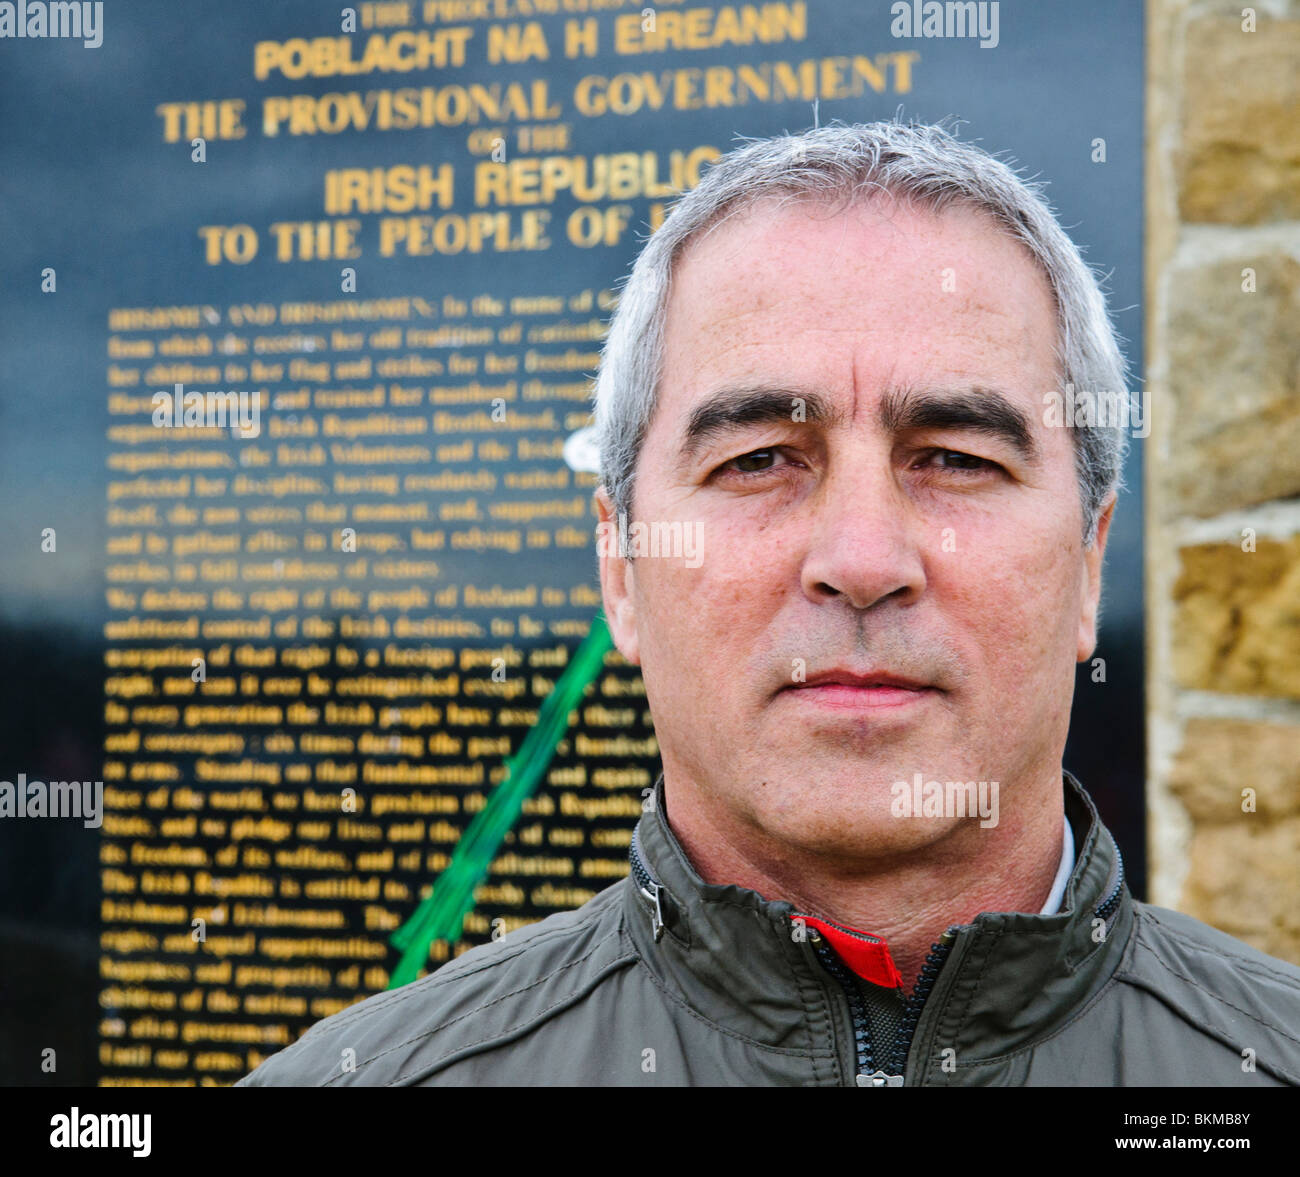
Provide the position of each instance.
(955, 460)
(754, 462)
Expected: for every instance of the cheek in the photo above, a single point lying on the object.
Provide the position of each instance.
(703, 625)
(1019, 596)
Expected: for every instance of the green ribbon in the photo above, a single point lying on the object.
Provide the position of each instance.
(442, 914)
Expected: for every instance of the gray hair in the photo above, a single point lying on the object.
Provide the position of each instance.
(925, 165)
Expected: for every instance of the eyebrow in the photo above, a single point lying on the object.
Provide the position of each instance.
(732, 409)
(979, 410)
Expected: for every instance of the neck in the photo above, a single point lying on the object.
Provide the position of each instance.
(908, 900)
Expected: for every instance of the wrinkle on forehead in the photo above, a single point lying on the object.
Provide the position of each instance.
(726, 284)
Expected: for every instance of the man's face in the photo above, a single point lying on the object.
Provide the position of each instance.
(851, 412)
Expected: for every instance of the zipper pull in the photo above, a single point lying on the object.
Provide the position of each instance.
(879, 1079)
(652, 892)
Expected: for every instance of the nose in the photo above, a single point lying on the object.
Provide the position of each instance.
(864, 545)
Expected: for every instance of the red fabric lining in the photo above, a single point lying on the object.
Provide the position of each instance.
(869, 959)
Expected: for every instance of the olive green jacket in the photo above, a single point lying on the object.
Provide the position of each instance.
(664, 980)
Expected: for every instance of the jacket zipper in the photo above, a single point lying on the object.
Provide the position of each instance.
(892, 1072)
(892, 1075)
(1108, 906)
(868, 1074)
(648, 887)
(857, 1007)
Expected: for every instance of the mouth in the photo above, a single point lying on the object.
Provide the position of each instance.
(850, 690)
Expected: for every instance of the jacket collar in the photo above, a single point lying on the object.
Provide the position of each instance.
(1011, 978)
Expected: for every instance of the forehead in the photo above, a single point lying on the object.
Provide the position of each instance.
(860, 298)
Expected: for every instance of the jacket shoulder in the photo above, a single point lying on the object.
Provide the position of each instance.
(1222, 986)
(486, 997)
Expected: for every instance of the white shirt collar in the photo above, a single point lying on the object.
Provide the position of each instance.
(1063, 872)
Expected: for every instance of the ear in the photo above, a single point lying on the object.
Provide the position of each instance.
(617, 583)
(1091, 594)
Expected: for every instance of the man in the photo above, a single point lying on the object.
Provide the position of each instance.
(863, 864)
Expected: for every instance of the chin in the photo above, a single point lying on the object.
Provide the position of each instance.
(869, 838)
(842, 820)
